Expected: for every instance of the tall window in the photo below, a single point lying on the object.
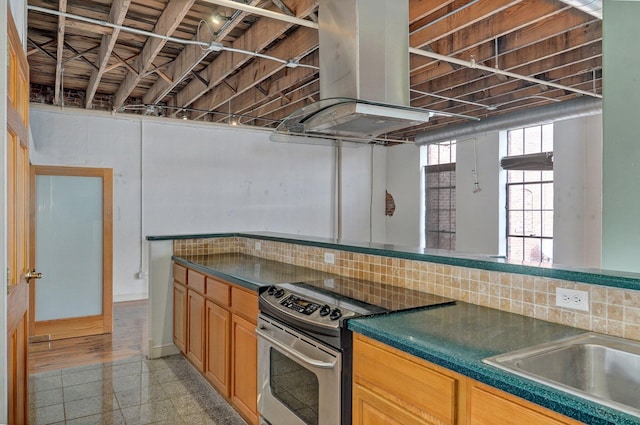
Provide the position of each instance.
(440, 186)
(529, 165)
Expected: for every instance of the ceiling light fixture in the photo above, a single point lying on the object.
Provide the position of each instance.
(219, 18)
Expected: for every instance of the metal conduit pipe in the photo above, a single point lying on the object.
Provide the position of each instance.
(592, 7)
(574, 108)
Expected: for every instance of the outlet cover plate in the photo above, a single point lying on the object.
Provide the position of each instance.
(329, 258)
(572, 298)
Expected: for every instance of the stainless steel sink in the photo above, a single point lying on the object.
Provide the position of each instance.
(597, 367)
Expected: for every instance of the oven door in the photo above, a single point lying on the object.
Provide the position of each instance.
(298, 377)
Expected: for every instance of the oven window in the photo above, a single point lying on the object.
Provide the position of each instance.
(294, 386)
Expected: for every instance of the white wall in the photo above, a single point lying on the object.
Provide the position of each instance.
(203, 178)
(577, 196)
(403, 183)
(480, 216)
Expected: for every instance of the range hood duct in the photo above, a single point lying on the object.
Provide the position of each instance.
(574, 108)
(592, 7)
(364, 74)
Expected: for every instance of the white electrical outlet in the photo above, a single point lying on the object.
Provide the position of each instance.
(258, 246)
(572, 298)
(329, 258)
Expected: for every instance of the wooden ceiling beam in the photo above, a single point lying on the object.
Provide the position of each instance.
(556, 45)
(514, 21)
(167, 23)
(88, 27)
(556, 67)
(419, 9)
(188, 59)
(255, 39)
(295, 46)
(249, 100)
(117, 14)
(458, 21)
(62, 7)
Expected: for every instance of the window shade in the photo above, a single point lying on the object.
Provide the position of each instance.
(541, 161)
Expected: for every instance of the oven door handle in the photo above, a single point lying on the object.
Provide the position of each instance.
(308, 360)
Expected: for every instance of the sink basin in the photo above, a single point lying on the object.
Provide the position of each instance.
(600, 368)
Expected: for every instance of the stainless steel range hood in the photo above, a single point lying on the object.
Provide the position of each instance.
(364, 74)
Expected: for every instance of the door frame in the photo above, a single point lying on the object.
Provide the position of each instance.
(86, 325)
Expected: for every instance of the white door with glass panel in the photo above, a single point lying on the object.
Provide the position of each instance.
(73, 250)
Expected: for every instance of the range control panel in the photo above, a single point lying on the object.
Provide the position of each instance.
(316, 311)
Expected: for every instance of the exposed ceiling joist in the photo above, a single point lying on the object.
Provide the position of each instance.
(62, 7)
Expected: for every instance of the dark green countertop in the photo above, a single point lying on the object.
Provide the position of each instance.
(459, 336)
(249, 271)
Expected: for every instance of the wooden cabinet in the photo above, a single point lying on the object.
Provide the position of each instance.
(488, 406)
(370, 408)
(392, 387)
(244, 382)
(424, 393)
(195, 329)
(214, 326)
(218, 367)
(180, 316)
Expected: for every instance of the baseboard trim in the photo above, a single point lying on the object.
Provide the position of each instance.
(155, 352)
(130, 297)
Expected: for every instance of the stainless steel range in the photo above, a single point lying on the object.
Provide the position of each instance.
(304, 347)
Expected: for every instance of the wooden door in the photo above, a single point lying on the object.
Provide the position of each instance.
(180, 316)
(195, 329)
(17, 226)
(217, 365)
(71, 241)
(244, 384)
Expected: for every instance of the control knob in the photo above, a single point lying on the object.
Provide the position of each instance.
(335, 314)
(324, 310)
(279, 293)
(272, 290)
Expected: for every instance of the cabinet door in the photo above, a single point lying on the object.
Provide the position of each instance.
(180, 316)
(217, 366)
(370, 408)
(195, 329)
(489, 406)
(244, 383)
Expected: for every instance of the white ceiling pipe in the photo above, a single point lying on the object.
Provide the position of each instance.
(263, 12)
(592, 7)
(476, 65)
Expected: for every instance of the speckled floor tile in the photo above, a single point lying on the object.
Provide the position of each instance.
(90, 406)
(47, 415)
(46, 398)
(106, 418)
(45, 383)
(128, 392)
(90, 389)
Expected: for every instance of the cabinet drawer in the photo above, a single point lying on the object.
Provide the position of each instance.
(412, 384)
(245, 303)
(179, 273)
(218, 291)
(195, 281)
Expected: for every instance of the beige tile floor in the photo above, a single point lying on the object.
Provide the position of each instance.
(130, 392)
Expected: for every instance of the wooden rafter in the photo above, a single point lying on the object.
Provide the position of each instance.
(187, 60)
(256, 38)
(297, 45)
(166, 25)
(117, 14)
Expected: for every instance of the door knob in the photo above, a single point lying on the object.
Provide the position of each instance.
(32, 274)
